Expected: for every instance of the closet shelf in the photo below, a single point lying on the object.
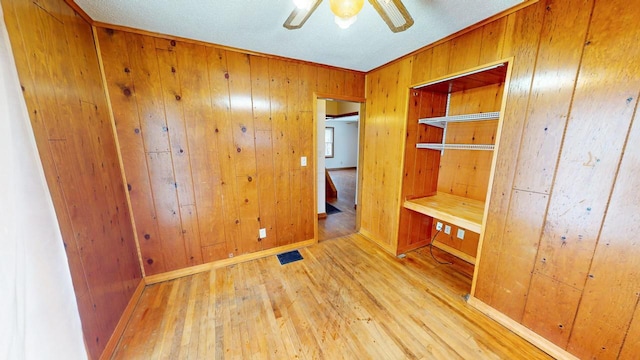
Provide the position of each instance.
(457, 210)
(441, 121)
(438, 146)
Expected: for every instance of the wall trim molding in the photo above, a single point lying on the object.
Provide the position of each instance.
(520, 330)
(114, 340)
(175, 274)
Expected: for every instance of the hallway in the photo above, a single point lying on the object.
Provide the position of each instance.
(344, 222)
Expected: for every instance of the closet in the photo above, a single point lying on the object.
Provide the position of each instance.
(453, 125)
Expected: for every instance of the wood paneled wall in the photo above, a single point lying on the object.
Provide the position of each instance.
(211, 142)
(387, 95)
(467, 174)
(62, 86)
(559, 253)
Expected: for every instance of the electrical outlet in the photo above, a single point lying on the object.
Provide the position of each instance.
(230, 255)
(447, 229)
(438, 226)
(263, 233)
(460, 234)
(303, 161)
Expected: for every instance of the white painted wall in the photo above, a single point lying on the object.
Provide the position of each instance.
(345, 145)
(322, 113)
(38, 311)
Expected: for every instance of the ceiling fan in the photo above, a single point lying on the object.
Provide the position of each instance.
(393, 12)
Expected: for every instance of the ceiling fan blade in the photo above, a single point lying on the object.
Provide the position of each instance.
(394, 14)
(299, 16)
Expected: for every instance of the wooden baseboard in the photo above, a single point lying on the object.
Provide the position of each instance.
(171, 275)
(107, 353)
(322, 215)
(522, 331)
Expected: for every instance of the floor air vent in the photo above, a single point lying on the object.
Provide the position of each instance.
(289, 257)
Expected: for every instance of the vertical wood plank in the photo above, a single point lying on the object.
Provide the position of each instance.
(307, 195)
(575, 216)
(440, 61)
(241, 113)
(631, 345)
(117, 67)
(562, 41)
(384, 138)
(336, 82)
(465, 51)
(307, 82)
(167, 209)
(552, 322)
(521, 40)
(280, 140)
(260, 93)
(324, 80)
(191, 234)
(493, 37)
(173, 109)
(523, 228)
(610, 294)
(146, 80)
(219, 87)
(202, 141)
(421, 69)
(249, 213)
(266, 185)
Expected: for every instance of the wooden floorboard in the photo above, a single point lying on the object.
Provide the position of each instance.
(347, 299)
(344, 222)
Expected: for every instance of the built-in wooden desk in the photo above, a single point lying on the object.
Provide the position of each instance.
(463, 212)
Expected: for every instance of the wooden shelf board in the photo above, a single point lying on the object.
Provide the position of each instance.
(439, 121)
(438, 146)
(463, 212)
(464, 82)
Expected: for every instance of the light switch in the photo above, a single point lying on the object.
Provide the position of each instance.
(460, 234)
(263, 233)
(303, 161)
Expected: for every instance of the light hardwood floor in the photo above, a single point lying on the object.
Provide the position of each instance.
(346, 300)
(342, 223)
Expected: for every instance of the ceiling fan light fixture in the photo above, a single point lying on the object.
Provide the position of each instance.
(346, 8)
(303, 4)
(344, 23)
(393, 13)
(300, 15)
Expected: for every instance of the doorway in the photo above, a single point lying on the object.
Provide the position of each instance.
(338, 157)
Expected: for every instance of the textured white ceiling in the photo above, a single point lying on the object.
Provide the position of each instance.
(256, 25)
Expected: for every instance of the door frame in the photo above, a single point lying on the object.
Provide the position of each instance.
(361, 124)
